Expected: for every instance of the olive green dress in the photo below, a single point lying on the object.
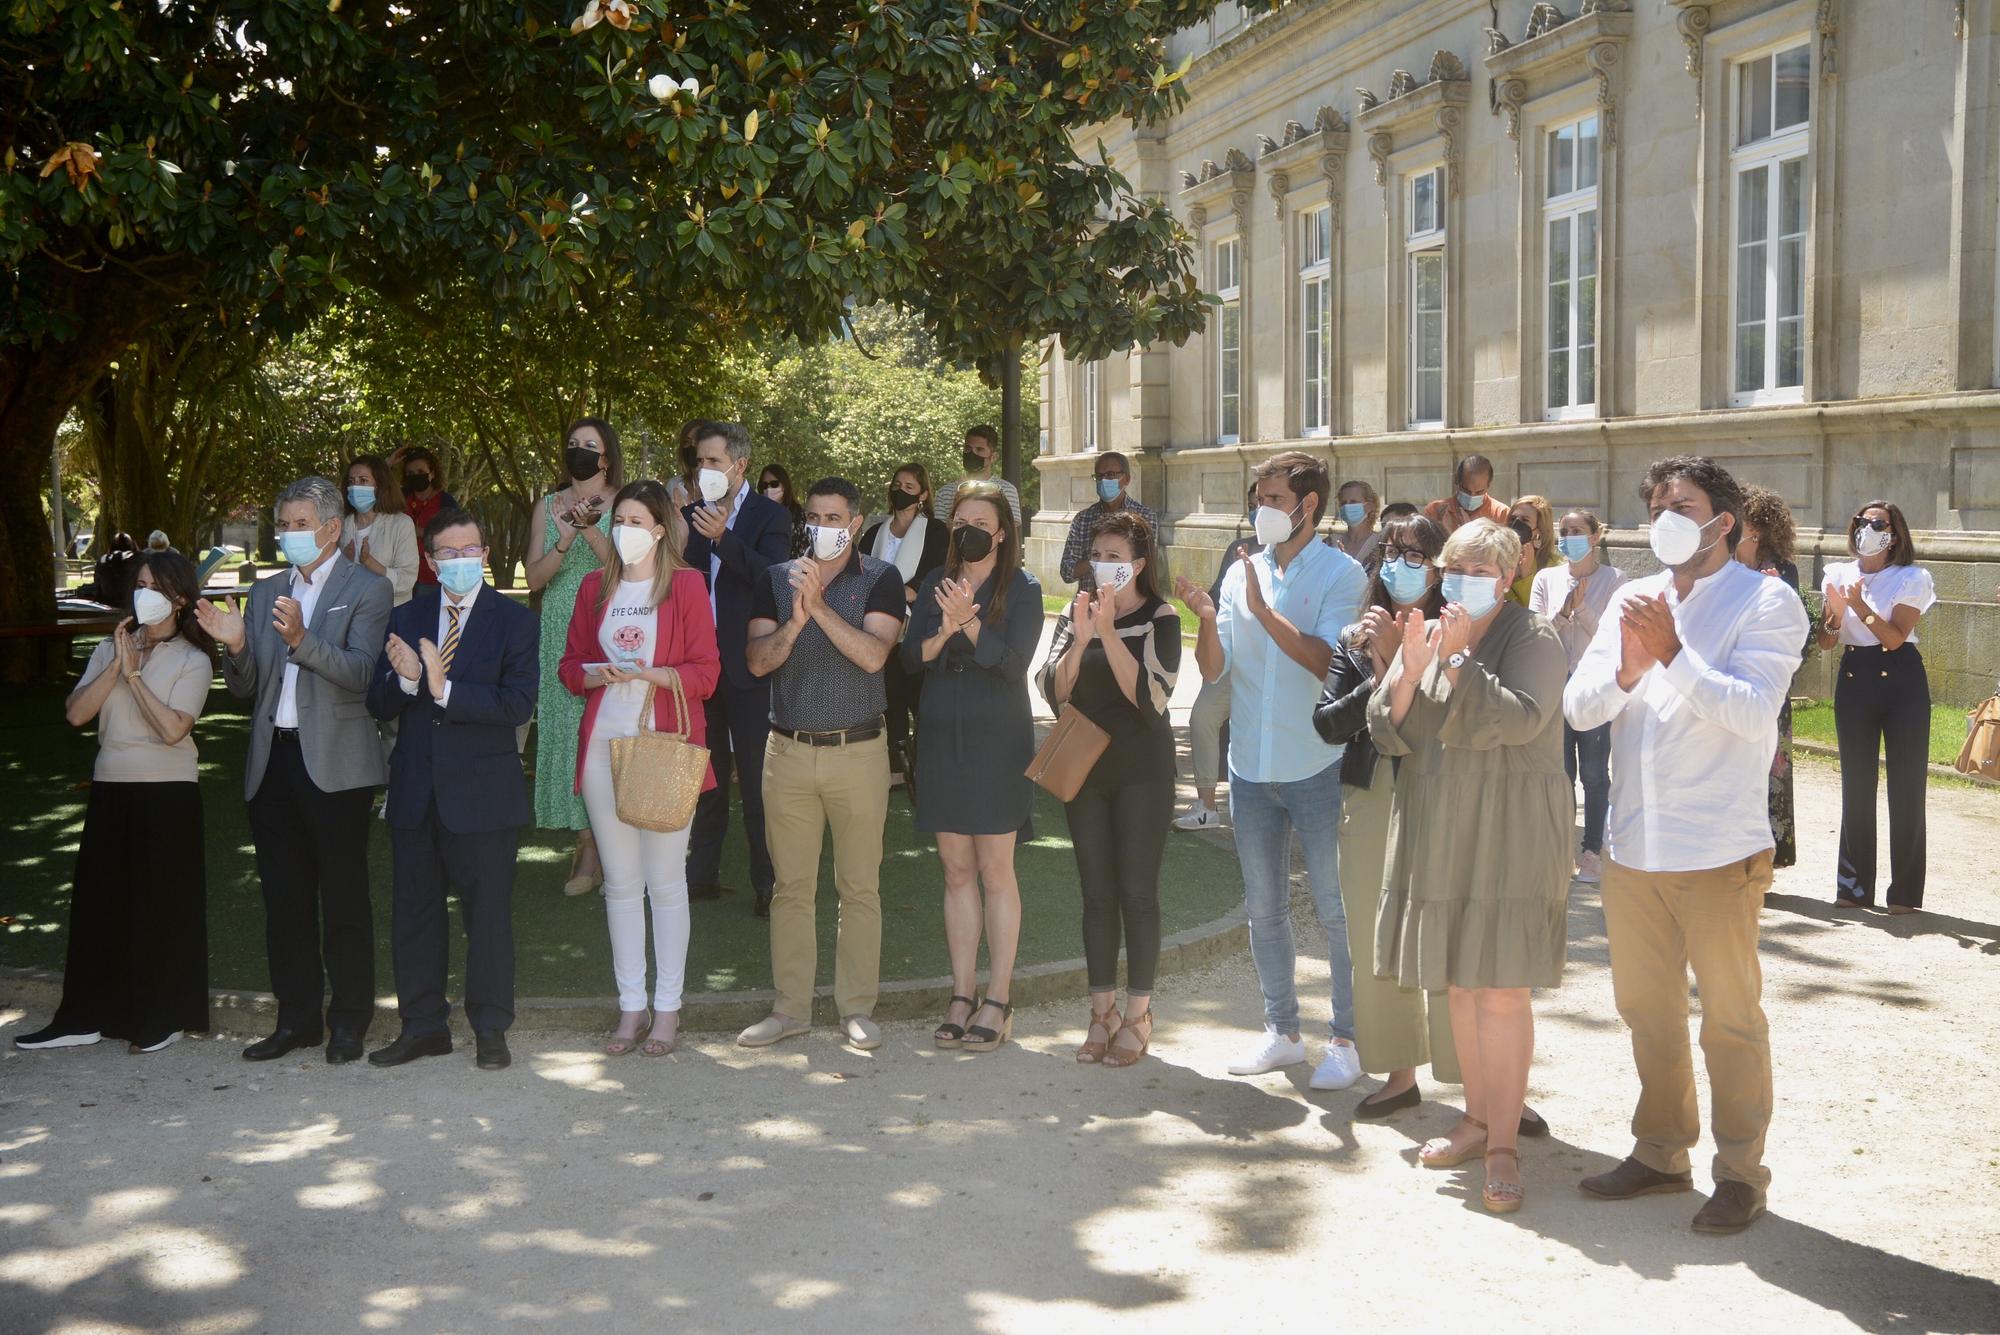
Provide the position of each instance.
(1475, 891)
(558, 714)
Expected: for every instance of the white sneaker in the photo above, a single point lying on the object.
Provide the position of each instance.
(1589, 868)
(1275, 1051)
(1198, 817)
(1340, 1067)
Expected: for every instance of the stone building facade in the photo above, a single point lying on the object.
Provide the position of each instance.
(1575, 239)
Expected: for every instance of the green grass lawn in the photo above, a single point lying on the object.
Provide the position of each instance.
(1814, 723)
(561, 944)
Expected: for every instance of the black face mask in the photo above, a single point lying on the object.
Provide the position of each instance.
(1522, 531)
(971, 544)
(583, 464)
(902, 500)
(416, 481)
(974, 463)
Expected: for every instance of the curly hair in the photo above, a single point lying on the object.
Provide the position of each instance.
(1725, 493)
(1769, 516)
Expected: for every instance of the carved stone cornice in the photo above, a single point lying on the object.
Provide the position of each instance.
(1303, 151)
(1280, 184)
(1693, 22)
(1552, 46)
(1233, 181)
(1438, 103)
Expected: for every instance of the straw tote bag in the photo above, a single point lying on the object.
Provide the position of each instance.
(1981, 752)
(657, 776)
(1068, 754)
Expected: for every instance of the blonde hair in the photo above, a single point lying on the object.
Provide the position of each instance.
(1482, 542)
(667, 552)
(1545, 527)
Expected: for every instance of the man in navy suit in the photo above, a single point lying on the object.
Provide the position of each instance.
(734, 536)
(460, 670)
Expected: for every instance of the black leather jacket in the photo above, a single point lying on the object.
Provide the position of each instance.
(1341, 716)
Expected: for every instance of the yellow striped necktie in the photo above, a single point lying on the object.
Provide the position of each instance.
(450, 645)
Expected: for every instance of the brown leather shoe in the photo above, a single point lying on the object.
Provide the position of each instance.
(1632, 1178)
(1733, 1208)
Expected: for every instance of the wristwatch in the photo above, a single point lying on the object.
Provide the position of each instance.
(1868, 620)
(1457, 660)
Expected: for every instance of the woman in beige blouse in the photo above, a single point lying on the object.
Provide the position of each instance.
(137, 967)
(1473, 897)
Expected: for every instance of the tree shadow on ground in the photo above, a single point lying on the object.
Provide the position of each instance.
(1983, 937)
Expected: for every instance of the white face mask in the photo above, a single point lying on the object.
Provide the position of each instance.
(633, 542)
(1274, 525)
(1676, 539)
(1869, 542)
(714, 484)
(150, 607)
(827, 541)
(1111, 576)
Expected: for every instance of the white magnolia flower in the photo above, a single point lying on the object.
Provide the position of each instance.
(616, 12)
(661, 86)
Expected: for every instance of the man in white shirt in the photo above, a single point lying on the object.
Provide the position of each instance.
(1690, 668)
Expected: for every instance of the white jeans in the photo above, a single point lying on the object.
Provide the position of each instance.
(637, 862)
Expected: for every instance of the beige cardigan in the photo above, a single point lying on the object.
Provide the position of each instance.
(392, 540)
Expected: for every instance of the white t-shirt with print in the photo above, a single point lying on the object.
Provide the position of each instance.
(626, 637)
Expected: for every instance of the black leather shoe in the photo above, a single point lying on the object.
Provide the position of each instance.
(493, 1054)
(278, 1044)
(1632, 1178)
(409, 1047)
(343, 1048)
(706, 890)
(1532, 1123)
(1373, 1109)
(762, 908)
(1733, 1208)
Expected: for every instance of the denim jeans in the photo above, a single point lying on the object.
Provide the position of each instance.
(1264, 816)
(1591, 753)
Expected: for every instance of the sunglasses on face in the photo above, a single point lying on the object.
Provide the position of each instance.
(1862, 521)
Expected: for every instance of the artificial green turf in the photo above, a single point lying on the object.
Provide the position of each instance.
(1814, 723)
(560, 943)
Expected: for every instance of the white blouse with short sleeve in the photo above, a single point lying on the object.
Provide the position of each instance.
(1886, 589)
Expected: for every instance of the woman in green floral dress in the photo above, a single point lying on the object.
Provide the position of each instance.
(570, 539)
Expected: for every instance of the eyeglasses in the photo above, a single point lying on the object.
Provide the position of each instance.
(1863, 521)
(457, 553)
(1410, 556)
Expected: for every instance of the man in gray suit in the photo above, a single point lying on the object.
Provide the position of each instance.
(303, 653)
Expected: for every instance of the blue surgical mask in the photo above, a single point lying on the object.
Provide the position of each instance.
(1475, 593)
(1107, 489)
(461, 574)
(300, 548)
(1406, 583)
(1468, 501)
(1353, 512)
(1574, 546)
(361, 498)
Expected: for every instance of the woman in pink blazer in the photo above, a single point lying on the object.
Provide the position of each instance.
(638, 623)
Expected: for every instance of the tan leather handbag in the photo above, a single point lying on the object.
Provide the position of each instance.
(1981, 753)
(1068, 753)
(657, 776)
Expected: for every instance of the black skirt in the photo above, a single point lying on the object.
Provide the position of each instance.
(137, 967)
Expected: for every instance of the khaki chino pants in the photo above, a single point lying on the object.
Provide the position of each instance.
(806, 790)
(1660, 924)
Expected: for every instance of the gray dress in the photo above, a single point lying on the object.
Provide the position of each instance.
(975, 727)
(1476, 886)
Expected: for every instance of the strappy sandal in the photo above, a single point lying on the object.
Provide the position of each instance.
(1124, 1056)
(619, 1045)
(1503, 1197)
(661, 1047)
(950, 1034)
(978, 1038)
(1448, 1157)
(1110, 1022)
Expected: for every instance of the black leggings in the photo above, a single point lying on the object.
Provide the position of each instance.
(1120, 835)
(1882, 703)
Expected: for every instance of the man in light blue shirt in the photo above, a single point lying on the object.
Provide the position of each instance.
(1273, 631)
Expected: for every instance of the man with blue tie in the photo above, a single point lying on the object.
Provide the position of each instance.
(734, 537)
(457, 796)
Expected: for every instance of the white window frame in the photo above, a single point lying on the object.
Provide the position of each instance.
(1316, 321)
(1568, 209)
(1770, 155)
(1425, 244)
(1090, 390)
(1228, 396)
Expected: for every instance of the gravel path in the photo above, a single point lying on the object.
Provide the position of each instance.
(813, 1188)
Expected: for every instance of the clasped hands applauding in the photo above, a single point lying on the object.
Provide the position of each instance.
(959, 612)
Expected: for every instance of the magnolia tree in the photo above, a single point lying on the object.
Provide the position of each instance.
(767, 164)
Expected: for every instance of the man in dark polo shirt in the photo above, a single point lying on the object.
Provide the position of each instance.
(821, 628)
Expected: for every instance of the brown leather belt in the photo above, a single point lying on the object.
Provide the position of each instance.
(842, 737)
